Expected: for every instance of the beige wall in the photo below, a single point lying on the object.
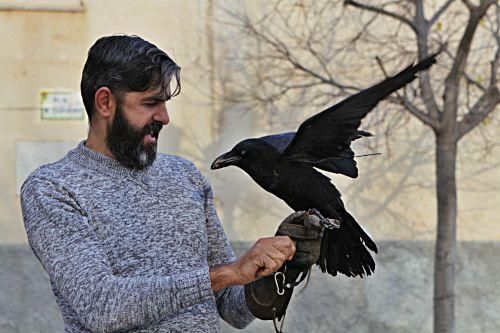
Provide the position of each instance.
(48, 50)
(393, 197)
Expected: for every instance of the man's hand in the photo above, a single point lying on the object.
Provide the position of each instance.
(306, 229)
(265, 257)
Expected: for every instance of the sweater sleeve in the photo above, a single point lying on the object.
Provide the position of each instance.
(69, 250)
(231, 302)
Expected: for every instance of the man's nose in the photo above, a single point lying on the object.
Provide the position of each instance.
(161, 115)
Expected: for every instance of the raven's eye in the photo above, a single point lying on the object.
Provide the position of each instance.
(243, 153)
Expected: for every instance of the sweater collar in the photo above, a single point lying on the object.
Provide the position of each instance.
(102, 163)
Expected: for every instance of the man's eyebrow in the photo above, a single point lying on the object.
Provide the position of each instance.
(157, 98)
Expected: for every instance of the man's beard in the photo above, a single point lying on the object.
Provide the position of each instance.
(127, 144)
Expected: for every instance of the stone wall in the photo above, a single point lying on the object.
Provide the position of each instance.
(397, 298)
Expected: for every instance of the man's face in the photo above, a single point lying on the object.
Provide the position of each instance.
(132, 136)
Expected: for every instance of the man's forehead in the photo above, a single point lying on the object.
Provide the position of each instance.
(156, 93)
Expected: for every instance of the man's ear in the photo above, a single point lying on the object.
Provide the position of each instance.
(105, 102)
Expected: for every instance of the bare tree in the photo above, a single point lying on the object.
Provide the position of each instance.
(301, 54)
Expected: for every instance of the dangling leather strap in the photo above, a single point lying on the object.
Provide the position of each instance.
(268, 297)
(280, 290)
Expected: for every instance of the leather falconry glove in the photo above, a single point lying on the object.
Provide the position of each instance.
(306, 229)
(268, 297)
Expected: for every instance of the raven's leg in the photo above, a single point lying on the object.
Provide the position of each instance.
(323, 221)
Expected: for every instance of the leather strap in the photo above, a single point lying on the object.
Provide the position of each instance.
(267, 300)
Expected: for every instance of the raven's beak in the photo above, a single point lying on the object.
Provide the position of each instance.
(225, 160)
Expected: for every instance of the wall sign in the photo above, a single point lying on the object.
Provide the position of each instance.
(61, 104)
(58, 6)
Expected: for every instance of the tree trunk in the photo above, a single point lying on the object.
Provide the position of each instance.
(446, 242)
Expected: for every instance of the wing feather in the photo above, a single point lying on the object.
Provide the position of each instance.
(328, 134)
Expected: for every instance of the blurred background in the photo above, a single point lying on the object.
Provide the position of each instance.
(251, 68)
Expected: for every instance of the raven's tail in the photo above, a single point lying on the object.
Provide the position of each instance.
(344, 250)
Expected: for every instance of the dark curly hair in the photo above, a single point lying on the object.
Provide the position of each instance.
(127, 63)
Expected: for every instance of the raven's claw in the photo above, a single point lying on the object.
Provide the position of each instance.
(330, 223)
(323, 221)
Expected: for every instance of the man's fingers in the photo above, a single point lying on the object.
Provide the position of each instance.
(264, 272)
(265, 257)
(278, 256)
(286, 245)
(267, 266)
(282, 243)
(294, 249)
(269, 263)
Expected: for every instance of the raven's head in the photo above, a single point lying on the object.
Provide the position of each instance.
(250, 151)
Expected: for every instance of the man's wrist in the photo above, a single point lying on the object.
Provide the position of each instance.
(223, 276)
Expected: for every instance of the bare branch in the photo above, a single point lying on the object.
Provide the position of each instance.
(440, 12)
(285, 52)
(292, 58)
(463, 50)
(382, 11)
(422, 35)
(381, 65)
(414, 110)
(464, 47)
(317, 56)
(494, 67)
(482, 108)
(496, 59)
(468, 4)
(473, 82)
(428, 95)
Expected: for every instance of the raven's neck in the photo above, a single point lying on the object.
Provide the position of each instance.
(263, 170)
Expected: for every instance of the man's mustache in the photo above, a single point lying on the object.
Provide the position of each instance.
(154, 128)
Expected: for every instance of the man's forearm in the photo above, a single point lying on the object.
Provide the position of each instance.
(222, 276)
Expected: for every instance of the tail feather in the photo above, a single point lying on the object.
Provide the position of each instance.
(343, 250)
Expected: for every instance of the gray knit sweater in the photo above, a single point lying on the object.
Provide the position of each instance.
(129, 251)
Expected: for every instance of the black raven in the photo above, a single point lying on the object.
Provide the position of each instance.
(284, 164)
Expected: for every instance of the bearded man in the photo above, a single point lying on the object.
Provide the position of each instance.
(129, 237)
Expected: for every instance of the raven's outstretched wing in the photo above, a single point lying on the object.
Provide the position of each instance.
(324, 139)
